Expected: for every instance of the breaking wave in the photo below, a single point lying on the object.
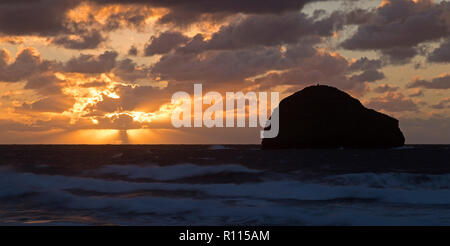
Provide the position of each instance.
(350, 199)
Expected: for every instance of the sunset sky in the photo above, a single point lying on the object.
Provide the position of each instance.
(104, 71)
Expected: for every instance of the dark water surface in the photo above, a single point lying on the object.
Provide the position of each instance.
(223, 185)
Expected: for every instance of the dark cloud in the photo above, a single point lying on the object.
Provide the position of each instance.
(92, 63)
(197, 44)
(121, 121)
(164, 43)
(441, 54)
(12, 125)
(392, 102)
(399, 55)
(385, 88)
(55, 104)
(5, 57)
(94, 84)
(38, 17)
(358, 16)
(187, 11)
(321, 67)
(49, 18)
(417, 93)
(365, 64)
(235, 6)
(129, 71)
(270, 30)
(297, 65)
(194, 62)
(368, 76)
(442, 82)
(133, 51)
(45, 84)
(255, 44)
(401, 23)
(130, 17)
(90, 40)
(217, 66)
(27, 63)
(444, 103)
(149, 97)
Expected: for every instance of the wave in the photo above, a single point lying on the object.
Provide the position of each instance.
(350, 186)
(351, 199)
(407, 181)
(172, 172)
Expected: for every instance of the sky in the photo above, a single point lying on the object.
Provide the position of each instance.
(104, 71)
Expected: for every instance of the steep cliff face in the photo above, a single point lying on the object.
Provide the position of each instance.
(325, 117)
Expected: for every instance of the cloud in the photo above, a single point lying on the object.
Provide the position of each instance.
(357, 16)
(45, 84)
(368, 76)
(188, 11)
(44, 17)
(129, 71)
(270, 30)
(217, 66)
(417, 93)
(385, 88)
(125, 15)
(399, 55)
(441, 54)
(102, 63)
(60, 17)
(444, 103)
(133, 51)
(5, 57)
(12, 125)
(321, 67)
(365, 64)
(90, 40)
(164, 43)
(55, 104)
(121, 121)
(392, 102)
(398, 26)
(294, 64)
(130, 98)
(27, 63)
(442, 82)
(257, 44)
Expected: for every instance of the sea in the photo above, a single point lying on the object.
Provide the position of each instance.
(223, 185)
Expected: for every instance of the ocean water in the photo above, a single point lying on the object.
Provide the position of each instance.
(223, 185)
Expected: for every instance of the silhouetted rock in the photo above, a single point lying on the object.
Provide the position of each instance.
(325, 117)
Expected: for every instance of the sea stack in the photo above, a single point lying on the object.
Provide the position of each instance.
(325, 117)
